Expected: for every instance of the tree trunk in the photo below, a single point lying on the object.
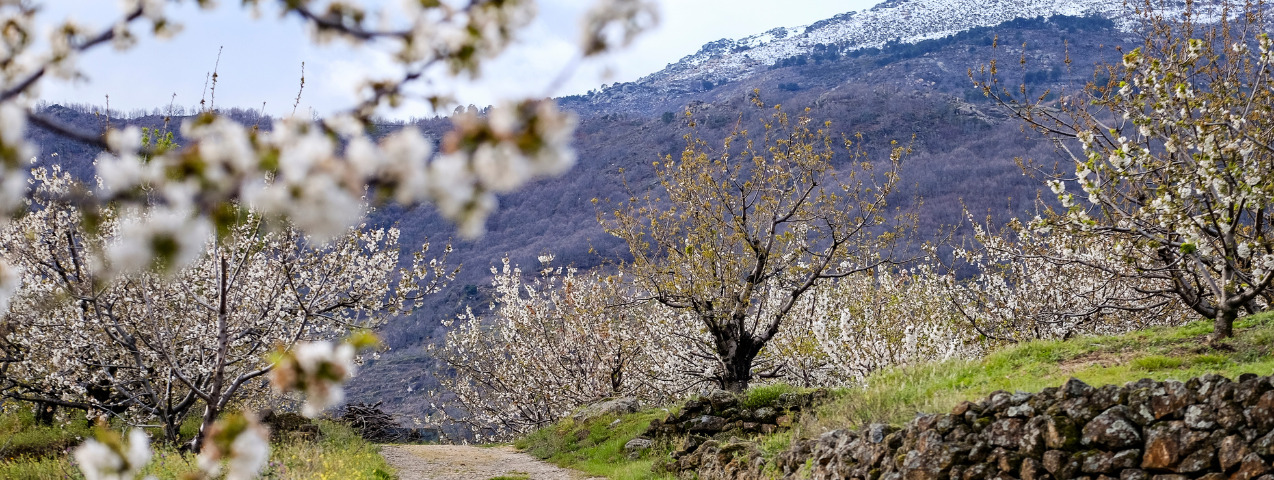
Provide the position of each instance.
(209, 416)
(45, 413)
(212, 401)
(1223, 324)
(738, 367)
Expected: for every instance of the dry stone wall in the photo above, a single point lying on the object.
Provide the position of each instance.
(1208, 428)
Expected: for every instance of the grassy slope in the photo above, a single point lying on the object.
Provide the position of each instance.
(896, 395)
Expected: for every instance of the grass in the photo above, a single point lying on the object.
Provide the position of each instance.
(595, 447)
(762, 395)
(339, 453)
(896, 395)
(22, 437)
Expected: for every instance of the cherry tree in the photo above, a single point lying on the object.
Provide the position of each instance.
(1171, 160)
(864, 323)
(1042, 283)
(150, 347)
(548, 345)
(738, 236)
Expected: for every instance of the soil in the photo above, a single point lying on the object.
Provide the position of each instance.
(457, 462)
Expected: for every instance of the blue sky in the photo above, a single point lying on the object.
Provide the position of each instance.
(261, 58)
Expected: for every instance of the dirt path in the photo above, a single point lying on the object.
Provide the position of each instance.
(455, 462)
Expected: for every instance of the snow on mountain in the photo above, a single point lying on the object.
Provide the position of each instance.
(905, 21)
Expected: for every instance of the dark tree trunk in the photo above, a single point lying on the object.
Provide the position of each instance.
(45, 413)
(1223, 324)
(738, 365)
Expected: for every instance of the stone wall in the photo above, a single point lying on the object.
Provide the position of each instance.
(725, 413)
(1208, 428)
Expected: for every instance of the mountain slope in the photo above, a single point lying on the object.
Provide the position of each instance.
(901, 21)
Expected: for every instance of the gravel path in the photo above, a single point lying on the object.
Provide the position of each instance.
(456, 462)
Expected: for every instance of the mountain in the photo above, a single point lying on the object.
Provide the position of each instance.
(899, 71)
(893, 21)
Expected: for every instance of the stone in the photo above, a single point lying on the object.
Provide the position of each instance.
(963, 407)
(1095, 461)
(1231, 452)
(933, 463)
(1008, 461)
(693, 407)
(1163, 449)
(1111, 429)
(1223, 393)
(1031, 442)
(1261, 415)
(1074, 388)
(612, 406)
(1200, 417)
(1140, 396)
(1032, 469)
(1230, 416)
(635, 447)
(979, 471)
(1061, 433)
(1108, 396)
(1199, 461)
(1054, 460)
(1133, 474)
(1020, 398)
(1175, 398)
(1170, 477)
(710, 424)
(722, 400)
(765, 414)
(1080, 409)
(877, 432)
(688, 445)
(945, 424)
(1213, 476)
(928, 440)
(1189, 440)
(1021, 411)
(769, 429)
(1251, 467)
(997, 401)
(1265, 445)
(1208, 383)
(783, 421)
(1124, 460)
(1005, 432)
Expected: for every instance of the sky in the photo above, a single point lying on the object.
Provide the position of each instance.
(260, 59)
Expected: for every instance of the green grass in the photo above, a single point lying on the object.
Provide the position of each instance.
(338, 454)
(762, 395)
(595, 447)
(896, 395)
(20, 436)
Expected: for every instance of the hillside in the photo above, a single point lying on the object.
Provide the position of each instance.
(911, 87)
